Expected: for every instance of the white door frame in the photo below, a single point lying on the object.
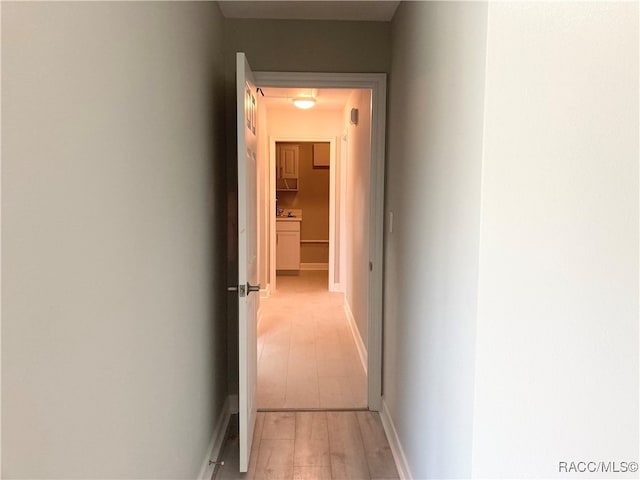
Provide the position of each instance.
(377, 82)
(332, 202)
(342, 212)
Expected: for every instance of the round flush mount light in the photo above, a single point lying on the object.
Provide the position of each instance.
(304, 103)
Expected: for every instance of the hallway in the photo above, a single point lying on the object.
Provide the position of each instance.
(312, 446)
(307, 358)
(489, 249)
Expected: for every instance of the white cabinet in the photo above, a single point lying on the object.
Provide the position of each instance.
(287, 245)
(287, 158)
(288, 161)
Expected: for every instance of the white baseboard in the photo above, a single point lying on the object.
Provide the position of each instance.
(394, 442)
(265, 292)
(217, 439)
(362, 350)
(314, 266)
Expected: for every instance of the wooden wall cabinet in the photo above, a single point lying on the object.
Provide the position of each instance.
(321, 155)
(287, 159)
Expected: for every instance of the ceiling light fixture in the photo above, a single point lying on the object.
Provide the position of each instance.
(304, 102)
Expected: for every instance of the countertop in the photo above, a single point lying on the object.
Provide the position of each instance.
(296, 212)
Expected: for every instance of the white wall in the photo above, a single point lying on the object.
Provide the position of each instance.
(296, 123)
(356, 198)
(557, 334)
(433, 189)
(113, 324)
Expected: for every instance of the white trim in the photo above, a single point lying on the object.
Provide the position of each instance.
(214, 449)
(314, 266)
(342, 242)
(2, 256)
(376, 237)
(377, 82)
(271, 168)
(332, 216)
(266, 291)
(394, 442)
(357, 338)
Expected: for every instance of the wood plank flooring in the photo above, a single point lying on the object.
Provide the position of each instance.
(307, 358)
(312, 446)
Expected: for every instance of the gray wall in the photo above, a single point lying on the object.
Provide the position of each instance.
(511, 290)
(309, 46)
(557, 328)
(431, 258)
(113, 335)
(292, 46)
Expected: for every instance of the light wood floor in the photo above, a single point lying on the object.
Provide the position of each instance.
(312, 446)
(307, 358)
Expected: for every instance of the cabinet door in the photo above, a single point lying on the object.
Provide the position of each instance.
(287, 250)
(288, 161)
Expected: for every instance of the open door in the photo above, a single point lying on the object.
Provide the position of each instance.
(247, 111)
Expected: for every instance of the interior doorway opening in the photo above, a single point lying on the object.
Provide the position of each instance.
(370, 323)
(251, 189)
(311, 351)
(307, 221)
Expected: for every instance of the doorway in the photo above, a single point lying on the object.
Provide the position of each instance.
(307, 348)
(304, 180)
(369, 348)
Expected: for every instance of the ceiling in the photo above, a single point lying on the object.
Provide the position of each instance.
(326, 98)
(381, 11)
